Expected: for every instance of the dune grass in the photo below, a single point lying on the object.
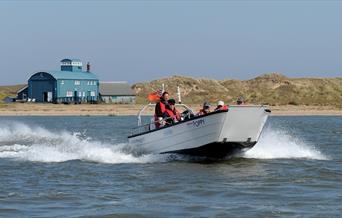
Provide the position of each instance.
(272, 89)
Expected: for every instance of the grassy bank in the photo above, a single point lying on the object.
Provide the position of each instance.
(9, 91)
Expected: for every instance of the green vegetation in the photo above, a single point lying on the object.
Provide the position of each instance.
(9, 91)
(272, 89)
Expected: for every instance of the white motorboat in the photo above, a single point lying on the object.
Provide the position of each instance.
(217, 134)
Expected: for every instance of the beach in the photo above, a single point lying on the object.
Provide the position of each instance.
(37, 109)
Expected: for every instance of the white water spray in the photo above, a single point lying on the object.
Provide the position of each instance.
(22, 142)
(277, 144)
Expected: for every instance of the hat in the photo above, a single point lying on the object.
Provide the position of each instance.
(171, 101)
(220, 103)
(206, 104)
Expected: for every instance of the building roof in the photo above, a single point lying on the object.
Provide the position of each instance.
(72, 75)
(116, 88)
(22, 88)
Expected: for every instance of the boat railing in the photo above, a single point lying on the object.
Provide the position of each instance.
(142, 128)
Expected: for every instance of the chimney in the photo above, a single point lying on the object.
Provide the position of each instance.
(88, 67)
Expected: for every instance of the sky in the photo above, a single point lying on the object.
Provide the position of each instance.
(139, 41)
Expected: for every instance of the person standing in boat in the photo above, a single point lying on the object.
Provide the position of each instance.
(160, 108)
(205, 109)
(221, 106)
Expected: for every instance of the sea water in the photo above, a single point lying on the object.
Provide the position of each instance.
(83, 167)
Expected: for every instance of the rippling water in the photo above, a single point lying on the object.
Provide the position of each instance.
(83, 167)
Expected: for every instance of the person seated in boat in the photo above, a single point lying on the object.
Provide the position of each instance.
(172, 104)
(205, 109)
(160, 109)
(168, 116)
(221, 106)
(240, 100)
(187, 114)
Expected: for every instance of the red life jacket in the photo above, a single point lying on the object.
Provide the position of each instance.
(223, 108)
(162, 109)
(170, 113)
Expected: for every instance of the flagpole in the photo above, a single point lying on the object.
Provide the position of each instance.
(179, 95)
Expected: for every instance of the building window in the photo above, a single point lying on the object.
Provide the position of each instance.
(83, 94)
(69, 94)
(88, 83)
(66, 63)
(62, 82)
(77, 82)
(92, 93)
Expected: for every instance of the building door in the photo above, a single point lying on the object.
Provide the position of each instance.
(45, 97)
(75, 96)
(88, 96)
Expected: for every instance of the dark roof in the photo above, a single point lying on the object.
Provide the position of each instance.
(116, 88)
(22, 88)
(71, 59)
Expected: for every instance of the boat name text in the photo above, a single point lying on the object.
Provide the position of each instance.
(197, 123)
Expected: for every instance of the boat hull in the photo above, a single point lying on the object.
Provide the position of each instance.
(216, 149)
(217, 134)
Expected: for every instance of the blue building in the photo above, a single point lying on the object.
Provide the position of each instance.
(70, 84)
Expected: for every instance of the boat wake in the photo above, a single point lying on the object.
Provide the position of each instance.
(21, 142)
